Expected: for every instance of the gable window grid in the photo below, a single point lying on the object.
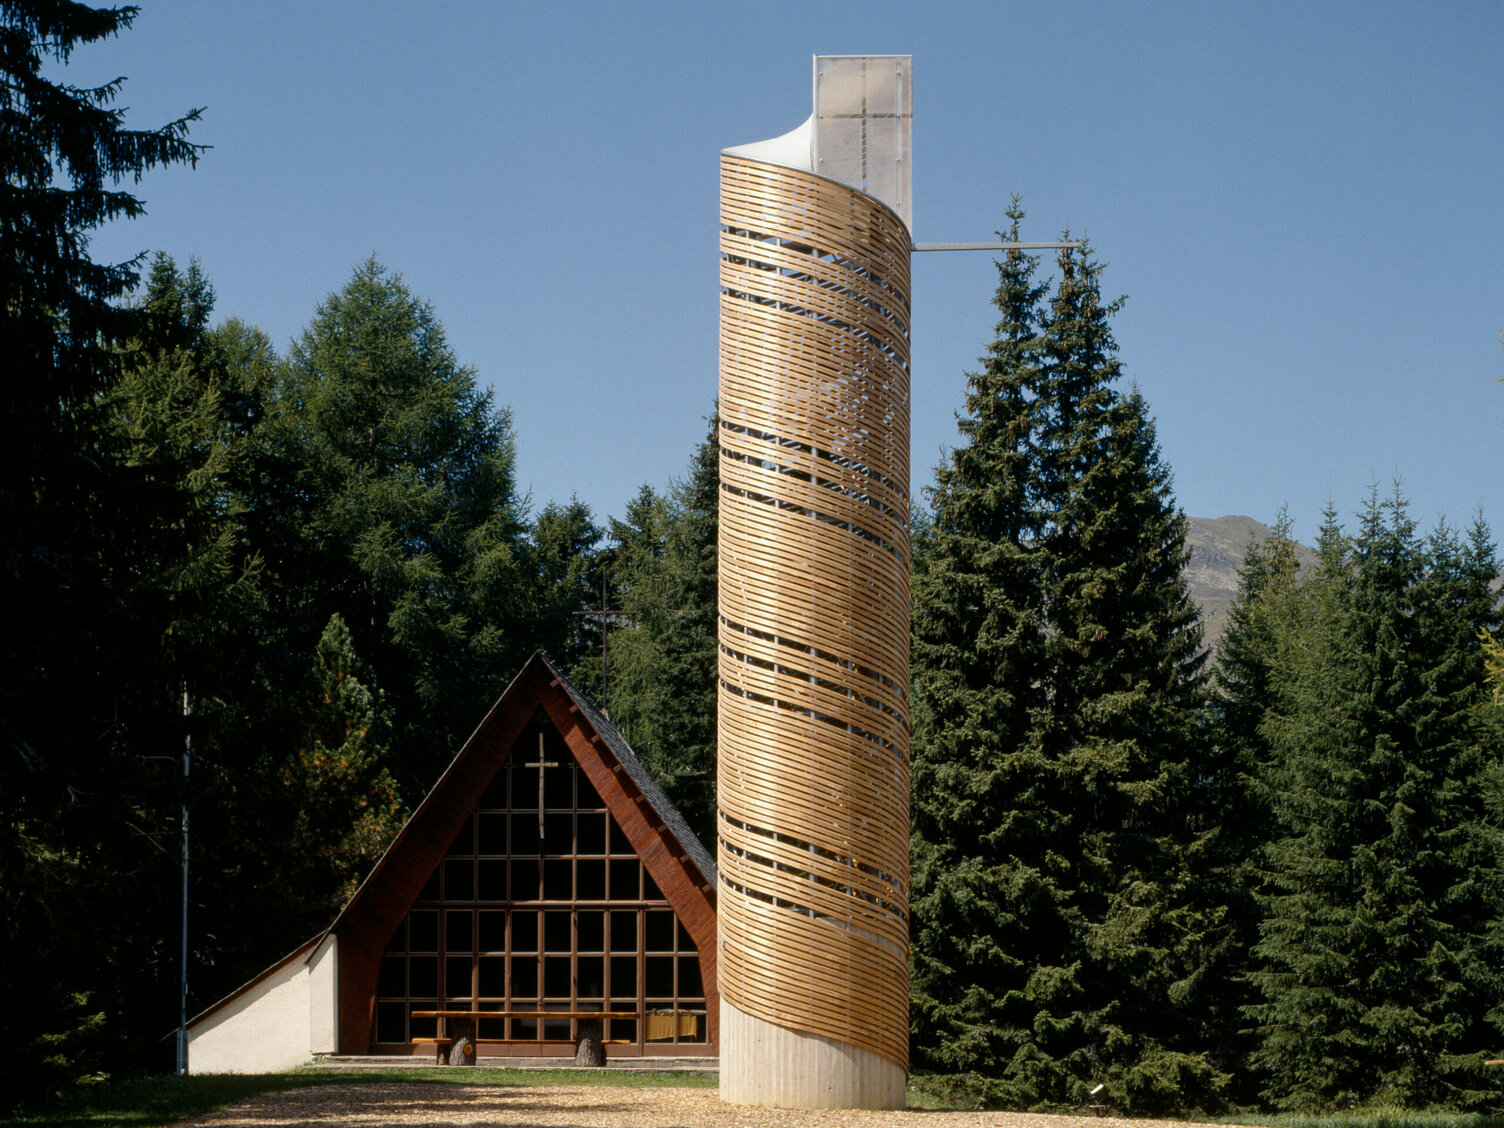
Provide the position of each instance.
(574, 923)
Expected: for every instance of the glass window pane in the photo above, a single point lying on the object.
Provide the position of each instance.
(658, 977)
(423, 977)
(492, 883)
(558, 832)
(393, 981)
(624, 876)
(624, 931)
(590, 879)
(524, 835)
(650, 891)
(457, 985)
(524, 931)
(493, 930)
(591, 831)
(556, 931)
(493, 977)
(457, 934)
(391, 1022)
(689, 978)
(590, 977)
(493, 834)
(495, 798)
(524, 778)
(524, 977)
(558, 783)
(558, 879)
(525, 880)
(624, 976)
(459, 879)
(586, 798)
(619, 843)
(658, 929)
(423, 931)
(557, 981)
(590, 928)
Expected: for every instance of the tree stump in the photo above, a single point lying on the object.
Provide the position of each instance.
(462, 1041)
(588, 1048)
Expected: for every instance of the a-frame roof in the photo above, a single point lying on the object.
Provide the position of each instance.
(676, 860)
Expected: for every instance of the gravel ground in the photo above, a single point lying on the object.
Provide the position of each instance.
(581, 1106)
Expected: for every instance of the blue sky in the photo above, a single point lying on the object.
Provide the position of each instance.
(1303, 202)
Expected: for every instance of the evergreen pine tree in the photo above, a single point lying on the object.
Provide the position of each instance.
(1379, 951)
(344, 803)
(665, 575)
(1056, 700)
(70, 772)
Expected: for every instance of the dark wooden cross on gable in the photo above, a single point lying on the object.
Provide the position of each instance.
(542, 765)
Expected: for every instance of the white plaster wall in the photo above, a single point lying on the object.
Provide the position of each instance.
(323, 1011)
(272, 1025)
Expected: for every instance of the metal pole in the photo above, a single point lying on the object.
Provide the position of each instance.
(603, 621)
(1065, 246)
(183, 976)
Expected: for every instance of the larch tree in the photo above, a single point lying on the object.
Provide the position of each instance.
(393, 504)
(1057, 694)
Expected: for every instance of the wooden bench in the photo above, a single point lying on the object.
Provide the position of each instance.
(440, 1042)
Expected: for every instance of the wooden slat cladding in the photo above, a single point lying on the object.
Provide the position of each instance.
(814, 607)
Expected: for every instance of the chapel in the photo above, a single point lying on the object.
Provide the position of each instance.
(545, 889)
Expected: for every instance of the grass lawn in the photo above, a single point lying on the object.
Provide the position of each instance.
(1372, 1118)
(144, 1102)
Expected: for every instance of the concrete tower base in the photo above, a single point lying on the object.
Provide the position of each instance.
(766, 1064)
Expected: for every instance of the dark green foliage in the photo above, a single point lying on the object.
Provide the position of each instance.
(664, 656)
(565, 581)
(389, 500)
(79, 832)
(1057, 694)
(345, 810)
(1379, 958)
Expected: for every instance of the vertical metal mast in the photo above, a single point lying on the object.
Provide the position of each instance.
(183, 954)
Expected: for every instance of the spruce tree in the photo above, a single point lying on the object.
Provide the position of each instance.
(344, 806)
(1379, 952)
(665, 574)
(70, 766)
(1057, 694)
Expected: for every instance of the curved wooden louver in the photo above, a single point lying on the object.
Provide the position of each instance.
(814, 607)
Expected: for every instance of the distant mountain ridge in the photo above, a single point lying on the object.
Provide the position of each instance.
(1218, 546)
